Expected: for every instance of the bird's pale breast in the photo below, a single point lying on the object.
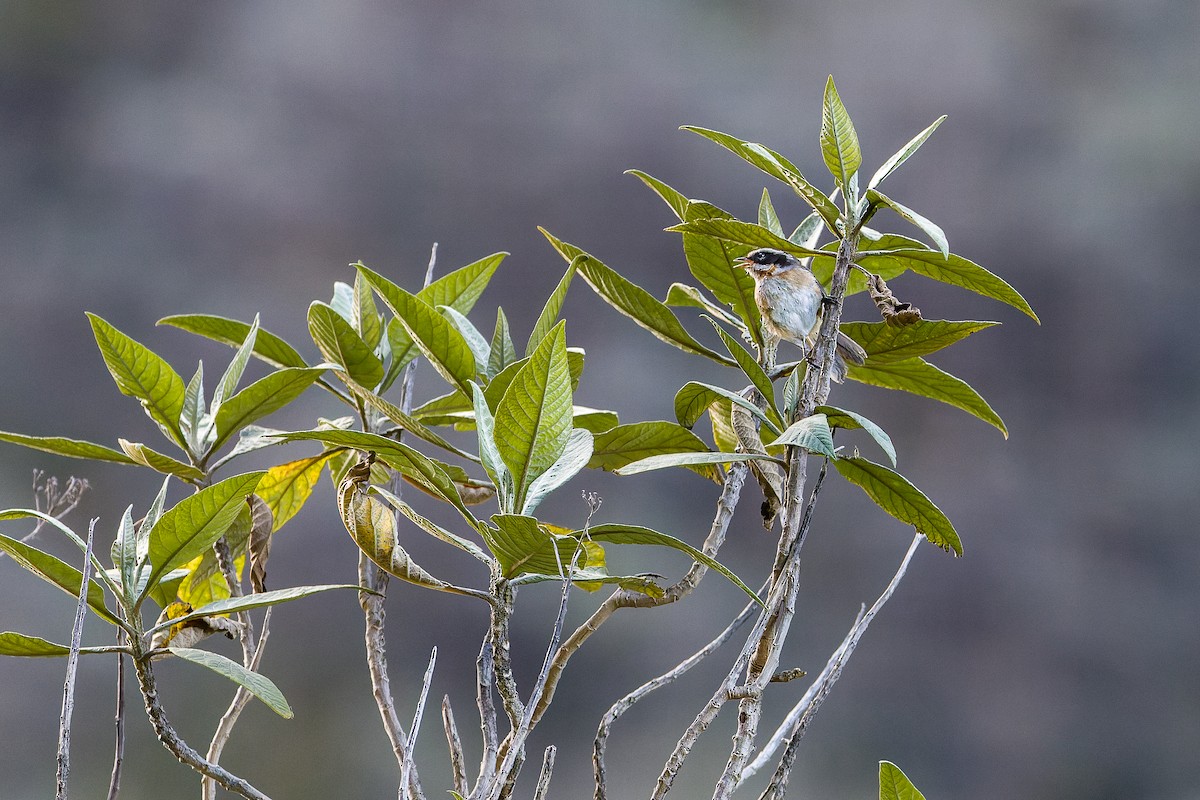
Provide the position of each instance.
(790, 311)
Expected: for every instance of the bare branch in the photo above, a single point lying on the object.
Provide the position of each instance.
(628, 701)
(49, 500)
(375, 580)
(824, 682)
(409, 765)
(241, 698)
(114, 783)
(485, 677)
(174, 742)
(543, 784)
(458, 763)
(515, 741)
(68, 703)
(622, 598)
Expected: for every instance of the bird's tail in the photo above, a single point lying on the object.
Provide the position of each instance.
(848, 350)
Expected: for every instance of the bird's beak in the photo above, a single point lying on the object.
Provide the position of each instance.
(743, 261)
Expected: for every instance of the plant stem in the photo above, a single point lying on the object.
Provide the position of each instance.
(173, 742)
(114, 783)
(68, 703)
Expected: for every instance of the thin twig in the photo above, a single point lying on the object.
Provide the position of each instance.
(241, 698)
(623, 598)
(458, 763)
(628, 701)
(485, 671)
(174, 742)
(506, 682)
(543, 784)
(515, 741)
(47, 499)
(372, 578)
(824, 683)
(114, 783)
(409, 764)
(68, 703)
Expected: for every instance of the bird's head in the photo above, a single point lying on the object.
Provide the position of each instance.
(767, 261)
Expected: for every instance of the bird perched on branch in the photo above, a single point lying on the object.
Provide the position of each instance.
(792, 302)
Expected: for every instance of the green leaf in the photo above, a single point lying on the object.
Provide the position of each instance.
(285, 488)
(411, 424)
(634, 302)
(808, 232)
(767, 217)
(522, 546)
(690, 460)
(635, 534)
(58, 573)
(232, 605)
(195, 421)
(822, 266)
(191, 527)
(903, 153)
(437, 531)
(205, 581)
(364, 316)
(461, 288)
(549, 316)
(574, 457)
(694, 398)
(400, 457)
(954, 270)
(533, 419)
(919, 377)
(267, 346)
(479, 346)
(141, 373)
(777, 167)
(892, 492)
(625, 444)
(458, 290)
(373, 527)
(811, 433)
(342, 345)
(256, 684)
(752, 370)
(677, 201)
(594, 420)
(839, 141)
(502, 352)
(125, 555)
(20, 644)
(489, 453)
(264, 396)
(743, 233)
(841, 418)
(681, 295)
(438, 340)
(894, 784)
(889, 343)
(159, 462)
(237, 366)
(72, 448)
(931, 229)
(712, 262)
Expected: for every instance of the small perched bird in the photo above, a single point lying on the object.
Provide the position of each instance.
(791, 301)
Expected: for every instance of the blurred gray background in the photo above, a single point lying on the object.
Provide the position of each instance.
(232, 158)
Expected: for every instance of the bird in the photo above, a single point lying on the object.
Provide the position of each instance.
(791, 301)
